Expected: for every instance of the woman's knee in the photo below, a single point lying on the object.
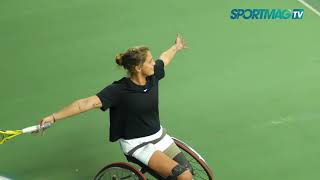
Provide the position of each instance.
(185, 176)
(180, 172)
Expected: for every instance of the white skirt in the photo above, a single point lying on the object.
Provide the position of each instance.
(144, 153)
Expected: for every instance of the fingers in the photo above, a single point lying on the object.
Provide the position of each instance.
(180, 42)
(184, 44)
(46, 120)
(42, 132)
(179, 38)
(41, 129)
(43, 122)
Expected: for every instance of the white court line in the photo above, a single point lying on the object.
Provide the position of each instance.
(310, 7)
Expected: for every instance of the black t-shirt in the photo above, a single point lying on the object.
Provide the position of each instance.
(133, 108)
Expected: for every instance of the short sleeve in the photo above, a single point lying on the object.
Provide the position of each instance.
(106, 97)
(159, 69)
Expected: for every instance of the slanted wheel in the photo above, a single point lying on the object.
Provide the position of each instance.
(119, 171)
(200, 169)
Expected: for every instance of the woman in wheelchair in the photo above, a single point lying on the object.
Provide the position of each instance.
(134, 113)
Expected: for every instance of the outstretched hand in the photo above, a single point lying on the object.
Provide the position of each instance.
(47, 120)
(180, 43)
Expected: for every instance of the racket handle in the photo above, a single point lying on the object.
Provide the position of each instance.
(36, 128)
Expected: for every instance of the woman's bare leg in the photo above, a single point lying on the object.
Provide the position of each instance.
(163, 165)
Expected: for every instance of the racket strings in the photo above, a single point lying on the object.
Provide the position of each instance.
(2, 136)
(6, 135)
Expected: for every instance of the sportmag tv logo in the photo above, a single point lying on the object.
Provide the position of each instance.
(274, 14)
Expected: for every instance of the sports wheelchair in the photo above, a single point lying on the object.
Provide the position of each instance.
(126, 171)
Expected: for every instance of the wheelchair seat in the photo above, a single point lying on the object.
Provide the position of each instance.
(135, 161)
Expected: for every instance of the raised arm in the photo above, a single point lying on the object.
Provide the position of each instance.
(77, 107)
(168, 55)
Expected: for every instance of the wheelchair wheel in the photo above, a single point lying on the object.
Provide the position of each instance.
(200, 169)
(119, 171)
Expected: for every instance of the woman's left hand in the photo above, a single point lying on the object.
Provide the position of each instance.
(180, 43)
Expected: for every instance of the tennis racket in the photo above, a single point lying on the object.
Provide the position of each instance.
(9, 134)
